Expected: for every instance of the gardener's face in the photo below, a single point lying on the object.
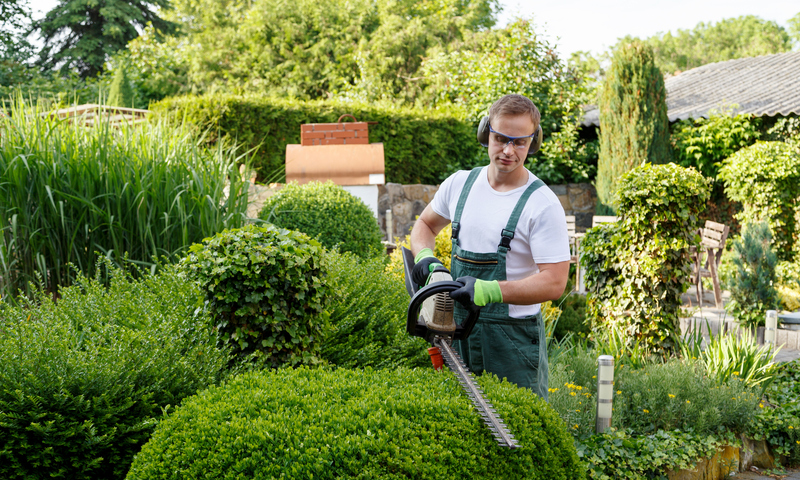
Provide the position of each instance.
(505, 154)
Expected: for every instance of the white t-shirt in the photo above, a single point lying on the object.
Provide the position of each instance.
(540, 236)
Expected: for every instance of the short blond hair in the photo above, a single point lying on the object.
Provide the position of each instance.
(512, 105)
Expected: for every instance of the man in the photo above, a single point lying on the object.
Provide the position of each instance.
(510, 248)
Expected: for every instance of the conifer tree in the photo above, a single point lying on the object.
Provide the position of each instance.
(121, 94)
(633, 117)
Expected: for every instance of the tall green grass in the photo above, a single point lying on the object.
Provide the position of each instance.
(70, 193)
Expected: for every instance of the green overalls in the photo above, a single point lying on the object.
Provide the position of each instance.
(511, 348)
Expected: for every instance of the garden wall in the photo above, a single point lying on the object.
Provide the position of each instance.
(407, 201)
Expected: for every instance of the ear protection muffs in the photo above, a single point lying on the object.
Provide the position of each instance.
(483, 136)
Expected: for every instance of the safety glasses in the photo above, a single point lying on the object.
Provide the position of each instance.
(518, 142)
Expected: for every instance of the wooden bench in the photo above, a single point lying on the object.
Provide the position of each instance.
(598, 219)
(707, 258)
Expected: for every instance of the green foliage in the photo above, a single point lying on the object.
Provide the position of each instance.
(765, 177)
(328, 213)
(355, 424)
(121, 93)
(72, 194)
(733, 355)
(368, 316)
(84, 380)
(728, 39)
(565, 158)
(79, 35)
(637, 268)
(794, 29)
(264, 287)
(419, 145)
(753, 287)
(704, 143)
(312, 49)
(573, 316)
(633, 118)
(618, 454)
(778, 420)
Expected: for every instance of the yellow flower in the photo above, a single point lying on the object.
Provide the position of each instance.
(687, 401)
(594, 376)
(572, 393)
(791, 427)
(671, 395)
(619, 392)
(645, 410)
(575, 426)
(760, 405)
(736, 373)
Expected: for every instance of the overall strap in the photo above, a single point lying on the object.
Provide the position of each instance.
(508, 232)
(473, 175)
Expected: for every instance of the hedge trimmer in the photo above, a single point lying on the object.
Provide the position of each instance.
(430, 316)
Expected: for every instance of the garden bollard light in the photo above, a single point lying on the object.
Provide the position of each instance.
(605, 392)
(771, 327)
(389, 227)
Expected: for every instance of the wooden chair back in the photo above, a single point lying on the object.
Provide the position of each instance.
(570, 225)
(713, 236)
(598, 219)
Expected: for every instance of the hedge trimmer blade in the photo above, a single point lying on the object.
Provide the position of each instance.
(467, 380)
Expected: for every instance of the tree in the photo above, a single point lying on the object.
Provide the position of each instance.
(80, 35)
(121, 93)
(794, 29)
(728, 39)
(634, 128)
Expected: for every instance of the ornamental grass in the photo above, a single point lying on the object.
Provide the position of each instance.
(70, 193)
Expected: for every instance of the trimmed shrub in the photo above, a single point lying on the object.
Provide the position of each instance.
(84, 381)
(753, 287)
(420, 145)
(70, 194)
(633, 118)
(368, 316)
(638, 267)
(327, 212)
(765, 177)
(361, 424)
(264, 287)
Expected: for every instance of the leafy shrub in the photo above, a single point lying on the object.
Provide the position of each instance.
(705, 142)
(368, 316)
(84, 381)
(327, 212)
(620, 455)
(778, 419)
(264, 287)
(71, 194)
(765, 177)
(753, 287)
(788, 287)
(355, 424)
(638, 267)
(633, 117)
(418, 144)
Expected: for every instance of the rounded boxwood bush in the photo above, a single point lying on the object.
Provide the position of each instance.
(264, 287)
(357, 424)
(328, 213)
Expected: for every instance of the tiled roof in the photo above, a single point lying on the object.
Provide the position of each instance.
(765, 85)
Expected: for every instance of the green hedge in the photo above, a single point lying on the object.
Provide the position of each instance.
(421, 146)
(84, 381)
(637, 268)
(368, 316)
(356, 424)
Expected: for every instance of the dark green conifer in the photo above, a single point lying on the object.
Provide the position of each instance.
(634, 127)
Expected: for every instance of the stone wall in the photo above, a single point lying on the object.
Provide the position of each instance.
(407, 201)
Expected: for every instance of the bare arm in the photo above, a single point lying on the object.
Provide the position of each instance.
(427, 226)
(540, 287)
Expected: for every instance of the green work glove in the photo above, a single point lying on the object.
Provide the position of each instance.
(477, 293)
(424, 264)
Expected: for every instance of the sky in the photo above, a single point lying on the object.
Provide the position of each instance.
(595, 25)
